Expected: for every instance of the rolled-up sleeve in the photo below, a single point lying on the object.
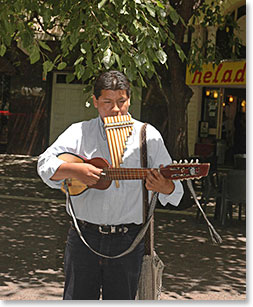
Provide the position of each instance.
(46, 167)
(48, 161)
(175, 197)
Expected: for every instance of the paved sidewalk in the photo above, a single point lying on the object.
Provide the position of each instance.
(33, 228)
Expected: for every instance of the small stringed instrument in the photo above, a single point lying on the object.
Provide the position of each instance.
(176, 171)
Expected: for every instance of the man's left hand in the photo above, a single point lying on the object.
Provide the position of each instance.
(155, 181)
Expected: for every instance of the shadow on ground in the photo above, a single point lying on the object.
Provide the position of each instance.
(32, 243)
(33, 230)
(194, 264)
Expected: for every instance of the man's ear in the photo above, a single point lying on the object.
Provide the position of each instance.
(95, 103)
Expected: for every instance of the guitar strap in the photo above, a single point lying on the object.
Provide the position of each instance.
(216, 238)
(149, 236)
(138, 238)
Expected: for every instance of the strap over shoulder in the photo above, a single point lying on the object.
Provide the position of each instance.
(149, 236)
(144, 163)
(143, 146)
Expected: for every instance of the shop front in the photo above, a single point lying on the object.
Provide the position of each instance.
(220, 130)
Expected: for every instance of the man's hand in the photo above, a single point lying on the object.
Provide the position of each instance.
(84, 172)
(87, 173)
(155, 181)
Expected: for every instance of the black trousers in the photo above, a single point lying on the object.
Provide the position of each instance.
(87, 276)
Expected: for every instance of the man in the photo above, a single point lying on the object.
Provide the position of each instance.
(86, 273)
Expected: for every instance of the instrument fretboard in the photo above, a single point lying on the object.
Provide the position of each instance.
(126, 173)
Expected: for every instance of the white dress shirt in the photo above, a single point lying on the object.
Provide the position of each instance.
(114, 205)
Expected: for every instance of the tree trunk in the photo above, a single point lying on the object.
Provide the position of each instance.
(179, 95)
(169, 103)
(166, 108)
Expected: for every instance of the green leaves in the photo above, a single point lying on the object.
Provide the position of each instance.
(180, 52)
(90, 36)
(44, 45)
(118, 60)
(140, 60)
(34, 54)
(79, 71)
(70, 77)
(101, 3)
(108, 58)
(162, 56)
(2, 50)
(151, 9)
(173, 14)
(203, 51)
(61, 66)
(78, 61)
(47, 66)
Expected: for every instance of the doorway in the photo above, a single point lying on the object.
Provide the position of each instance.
(234, 123)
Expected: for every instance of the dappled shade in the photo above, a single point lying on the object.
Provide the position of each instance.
(33, 232)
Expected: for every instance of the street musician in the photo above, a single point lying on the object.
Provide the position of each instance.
(109, 219)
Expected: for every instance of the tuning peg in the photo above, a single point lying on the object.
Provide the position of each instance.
(197, 161)
(185, 161)
(180, 161)
(174, 162)
(191, 161)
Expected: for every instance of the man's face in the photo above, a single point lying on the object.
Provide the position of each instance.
(112, 103)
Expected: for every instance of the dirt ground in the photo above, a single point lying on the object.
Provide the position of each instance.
(33, 232)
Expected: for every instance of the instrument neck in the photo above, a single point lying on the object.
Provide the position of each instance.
(126, 173)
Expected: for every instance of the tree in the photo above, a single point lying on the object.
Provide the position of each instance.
(144, 39)
(174, 91)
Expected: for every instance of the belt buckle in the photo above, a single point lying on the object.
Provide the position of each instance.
(100, 228)
(111, 229)
(125, 229)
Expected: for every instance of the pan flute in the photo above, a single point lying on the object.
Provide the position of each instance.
(118, 129)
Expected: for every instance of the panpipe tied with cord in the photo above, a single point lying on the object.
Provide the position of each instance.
(118, 129)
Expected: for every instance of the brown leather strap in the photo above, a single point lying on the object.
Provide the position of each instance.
(144, 163)
(149, 236)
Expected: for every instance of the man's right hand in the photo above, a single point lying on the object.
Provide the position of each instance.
(84, 172)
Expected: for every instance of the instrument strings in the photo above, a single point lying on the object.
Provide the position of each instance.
(118, 129)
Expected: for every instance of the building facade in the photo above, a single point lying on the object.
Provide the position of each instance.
(217, 110)
(34, 111)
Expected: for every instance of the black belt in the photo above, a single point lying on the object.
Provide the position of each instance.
(108, 229)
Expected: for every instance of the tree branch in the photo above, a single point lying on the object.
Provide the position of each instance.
(42, 27)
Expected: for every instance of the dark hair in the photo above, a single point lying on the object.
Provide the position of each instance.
(111, 80)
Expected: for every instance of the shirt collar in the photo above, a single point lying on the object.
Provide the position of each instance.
(101, 127)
